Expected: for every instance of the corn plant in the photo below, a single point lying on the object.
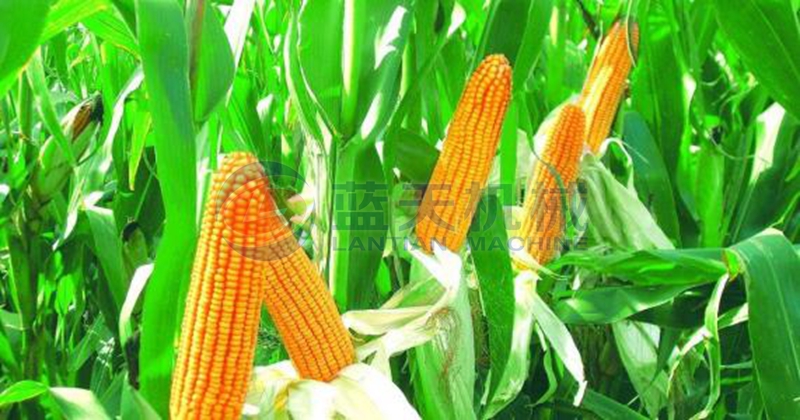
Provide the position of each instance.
(438, 209)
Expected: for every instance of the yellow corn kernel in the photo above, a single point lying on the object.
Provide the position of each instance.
(548, 189)
(463, 168)
(223, 305)
(605, 82)
(302, 308)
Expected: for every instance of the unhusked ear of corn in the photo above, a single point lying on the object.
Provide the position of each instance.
(605, 83)
(302, 308)
(553, 177)
(53, 169)
(463, 168)
(223, 305)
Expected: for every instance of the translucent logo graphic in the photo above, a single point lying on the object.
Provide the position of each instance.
(252, 206)
(249, 209)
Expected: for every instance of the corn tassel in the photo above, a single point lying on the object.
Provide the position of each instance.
(463, 168)
(303, 309)
(223, 305)
(605, 83)
(554, 175)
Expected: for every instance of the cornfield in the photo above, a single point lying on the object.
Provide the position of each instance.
(400, 209)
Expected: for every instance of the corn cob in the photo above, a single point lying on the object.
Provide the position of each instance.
(605, 83)
(303, 310)
(53, 168)
(223, 305)
(543, 224)
(463, 168)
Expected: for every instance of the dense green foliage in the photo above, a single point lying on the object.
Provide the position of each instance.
(680, 299)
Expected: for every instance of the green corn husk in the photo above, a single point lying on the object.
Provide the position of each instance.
(53, 167)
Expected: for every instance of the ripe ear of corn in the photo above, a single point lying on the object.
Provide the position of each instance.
(302, 308)
(223, 305)
(554, 175)
(605, 82)
(463, 168)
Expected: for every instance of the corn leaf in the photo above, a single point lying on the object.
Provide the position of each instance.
(652, 180)
(493, 268)
(21, 25)
(109, 26)
(66, 13)
(108, 248)
(213, 68)
(21, 391)
(165, 56)
(606, 305)
(561, 342)
(76, 403)
(653, 267)
(607, 408)
(767, 37)
(360, 225)
(771, 271)
(637, 344)
(776, 153)
(657, 87)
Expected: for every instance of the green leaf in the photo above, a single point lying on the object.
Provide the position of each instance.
(66, 13)
(350, 82)
(713, 346)
(237, 25)
(608, 409)
(517, 365)
(370, 91)
(213, 67)
(509, 140)
(89, 344)
(108, 248)
(138, 283)
(315, 61)
(652, 267)
(605, 305)
(772, 277)
(21, 25)
(243, 116)
(501, 35)
(361, 222)
(78, 404)
(109, 26)
(555, 90)
(46, 109)
(652, 181)
(637, 344)
(22, 283)
(769, 191)
(133, 406)
(165, 57)
(8, 357)
(496, 279)
(657, 84)
(709, 197)
(142, 125)
(531, 48)
(766, 36)
(415, 157)
(561, 341)
(21, 391)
